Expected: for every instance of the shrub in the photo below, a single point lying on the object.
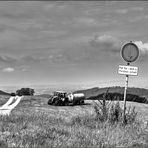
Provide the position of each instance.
(115, 113)
(112, 112)
(25, 91)
(13, 94)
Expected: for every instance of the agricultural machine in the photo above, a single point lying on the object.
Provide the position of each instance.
(64, 98)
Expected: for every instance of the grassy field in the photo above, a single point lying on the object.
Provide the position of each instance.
(34, 124)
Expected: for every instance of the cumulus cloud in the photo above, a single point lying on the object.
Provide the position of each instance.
(106, 43)
(8, 69)
(143, 47)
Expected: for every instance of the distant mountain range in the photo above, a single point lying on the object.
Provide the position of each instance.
(96, 91)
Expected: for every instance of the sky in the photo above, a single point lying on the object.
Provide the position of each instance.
(71, 43)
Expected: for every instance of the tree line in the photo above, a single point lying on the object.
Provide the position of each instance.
(119, 96)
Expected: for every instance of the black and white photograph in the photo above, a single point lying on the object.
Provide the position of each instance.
(73, 74)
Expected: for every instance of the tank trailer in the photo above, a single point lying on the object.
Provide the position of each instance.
(64, 98)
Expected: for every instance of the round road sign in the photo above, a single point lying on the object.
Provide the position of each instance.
(130, 52)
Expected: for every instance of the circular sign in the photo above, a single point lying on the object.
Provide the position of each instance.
(130, 52)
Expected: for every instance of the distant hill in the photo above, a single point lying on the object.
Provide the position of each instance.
(4, 93)
(96, 91)
(44, 95)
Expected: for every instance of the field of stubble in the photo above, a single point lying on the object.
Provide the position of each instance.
(34, 124)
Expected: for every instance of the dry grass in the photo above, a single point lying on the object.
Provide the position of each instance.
(34, 124)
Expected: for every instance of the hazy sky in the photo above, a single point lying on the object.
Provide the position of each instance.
(76, 42)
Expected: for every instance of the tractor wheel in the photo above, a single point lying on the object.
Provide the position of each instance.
(66, 103)
(55, 101)
(75, 103)
(50, 101)
(60, 102)
(81, 102)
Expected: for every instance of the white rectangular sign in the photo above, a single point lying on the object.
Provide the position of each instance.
(128, 70)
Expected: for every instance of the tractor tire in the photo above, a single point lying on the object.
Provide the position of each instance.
(50, 101)
(66, 103)
(75, 103)
(81, 102)
(59, 102)
(55, 101)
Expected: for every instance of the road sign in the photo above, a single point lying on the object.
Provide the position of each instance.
(130, 52)
(128, 70)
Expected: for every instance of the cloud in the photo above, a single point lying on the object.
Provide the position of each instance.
(22, 60)
(51, 33)
(56, 6)
(16, 15)
(93, 11)
(58, 58)
(106, 43)
(7, 59)
(8, 69)
(137, 9)
(122, 11)
(102, 47)
(24, 68)
(48, 7)
(143, 47)
(85, 21)
(125, 11)
(30, 59)
(20, 10)
(9, 38)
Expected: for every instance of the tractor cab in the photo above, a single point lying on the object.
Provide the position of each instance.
(60, 94)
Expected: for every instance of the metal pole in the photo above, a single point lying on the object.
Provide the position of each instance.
(125, 90)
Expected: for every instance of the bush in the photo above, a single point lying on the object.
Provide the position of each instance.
(115, 113)
(13, 94)
(25, 91)
(112, 112)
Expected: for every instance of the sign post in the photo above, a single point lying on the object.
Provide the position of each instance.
(129, 53)
(125, 90)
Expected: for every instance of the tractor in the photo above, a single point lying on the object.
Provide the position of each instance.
(63, 98)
